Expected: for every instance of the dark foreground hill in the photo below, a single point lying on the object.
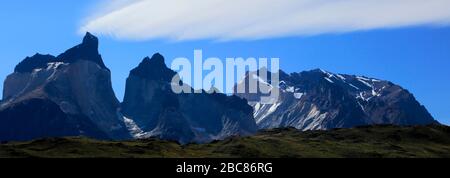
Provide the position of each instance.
(375, 141)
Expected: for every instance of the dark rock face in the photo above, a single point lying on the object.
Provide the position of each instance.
(151, 104)
(153, 69)
(76, 88)
(42, 118)
(35, 62)
(87, 50)
(318, 100)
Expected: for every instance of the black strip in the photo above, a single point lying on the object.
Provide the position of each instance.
(267, 167)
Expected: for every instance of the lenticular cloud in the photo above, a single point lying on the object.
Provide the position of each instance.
(258, 19)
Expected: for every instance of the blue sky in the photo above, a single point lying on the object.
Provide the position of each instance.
(415, 56)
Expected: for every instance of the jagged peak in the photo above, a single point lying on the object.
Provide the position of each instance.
(321, 73)
(34, 62)
(40, 55)
(90, 40)
(153, 68)
(87, 50)
(156, 59)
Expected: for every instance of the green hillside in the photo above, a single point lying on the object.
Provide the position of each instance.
(376, 141)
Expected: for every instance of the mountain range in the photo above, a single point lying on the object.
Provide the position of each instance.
(71, 95)
(150, 104)
(321, 100)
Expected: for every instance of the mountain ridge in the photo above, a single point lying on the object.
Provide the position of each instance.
(318, 99)
(74, 96)
(150, 102)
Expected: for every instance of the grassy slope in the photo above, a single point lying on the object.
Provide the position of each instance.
(378, 141)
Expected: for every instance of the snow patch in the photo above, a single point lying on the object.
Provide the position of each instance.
(290, 89)
(266, 110)
(274, 107)
(361, 96)
(363, 78)
(134, 129)
(315, 119)
(260, 80)
(353, 86)
(54, 65)
(360, 105)
(298, 95)
(257, 107)
(368, 79)
(341, 77)
(365, 83)
(329, 80)
(327, 73)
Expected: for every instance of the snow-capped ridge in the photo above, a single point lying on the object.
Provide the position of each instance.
(318, 99)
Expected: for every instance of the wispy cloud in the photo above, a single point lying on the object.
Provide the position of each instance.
(258, 19)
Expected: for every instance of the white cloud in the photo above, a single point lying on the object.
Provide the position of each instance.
(258, 19)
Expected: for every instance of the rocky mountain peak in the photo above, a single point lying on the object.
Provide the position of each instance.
(90, 40)
(153, 68)
(34, 62)
(68, 95)
(318, 70)
(157, 58)
(87, 50)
